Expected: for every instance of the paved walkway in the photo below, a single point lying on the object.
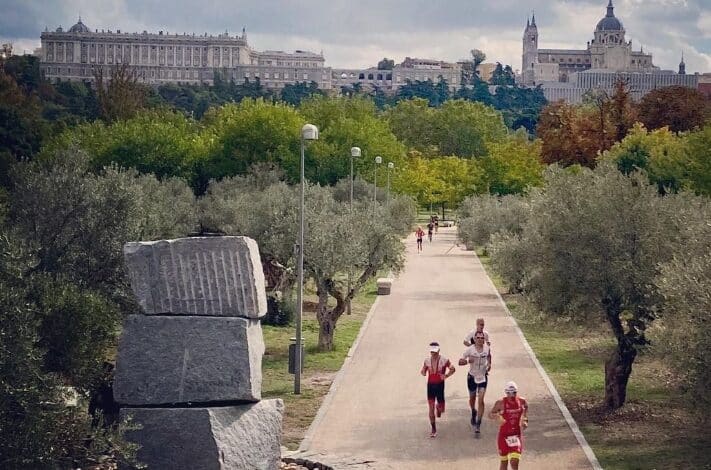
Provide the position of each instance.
(378, 408)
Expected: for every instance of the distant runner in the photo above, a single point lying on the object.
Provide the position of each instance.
(419, 234)
(436, 223)
(469, 338)
(430, 228)
(437, 368)
(478, 356)
(512, 413)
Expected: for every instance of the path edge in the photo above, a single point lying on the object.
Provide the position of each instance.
(325, 405)
(549, 383)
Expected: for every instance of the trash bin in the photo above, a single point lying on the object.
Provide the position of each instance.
(292, 356)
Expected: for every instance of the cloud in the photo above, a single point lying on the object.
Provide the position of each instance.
(358, 34)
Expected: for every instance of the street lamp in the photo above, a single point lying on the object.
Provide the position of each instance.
(355, 153)
(391, 165)
(378, 161)
(308, 132)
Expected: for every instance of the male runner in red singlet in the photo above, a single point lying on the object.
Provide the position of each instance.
(512, 413)
(437, 368)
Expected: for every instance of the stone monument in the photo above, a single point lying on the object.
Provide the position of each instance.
(189, 366)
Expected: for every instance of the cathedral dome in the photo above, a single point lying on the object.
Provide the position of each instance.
(609, 22)
(79, 28)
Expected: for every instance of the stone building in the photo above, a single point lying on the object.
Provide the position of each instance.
(411, 69)
(569, 74)
(609, 50)
(174, 58)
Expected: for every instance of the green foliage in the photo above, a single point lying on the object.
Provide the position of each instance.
(337, 240)
(77, 221)
(464, 128)
(38, 429)
(593, 246)
(435, 93)
(249, 132)
(685, 284)
(344, 123)
(698, 147)
(660, 153)
(294, 94)
(503, 75)
(480, 217)
(519, 106)
(513, 166)
(458, 127)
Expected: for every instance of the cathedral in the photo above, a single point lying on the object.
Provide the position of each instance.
(608, 51)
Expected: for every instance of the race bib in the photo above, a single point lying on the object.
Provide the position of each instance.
(513, 441)
(479, 378)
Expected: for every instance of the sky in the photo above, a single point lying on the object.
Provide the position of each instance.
(356, 34)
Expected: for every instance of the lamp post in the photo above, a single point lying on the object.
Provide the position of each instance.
(378, 161)
(355, 153)
(391, 165)
(308, 132)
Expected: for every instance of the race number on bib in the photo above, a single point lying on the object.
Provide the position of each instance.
(513, 441)
(480, 378)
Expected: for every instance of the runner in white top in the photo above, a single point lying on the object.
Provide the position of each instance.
(478, 356)
(469, 338)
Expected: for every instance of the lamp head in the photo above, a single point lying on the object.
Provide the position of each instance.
(378, 160)
(391, 165)
(309, 132)
(355, 152)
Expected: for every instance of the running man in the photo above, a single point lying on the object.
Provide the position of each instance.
(430, 229)
(478, 356)
(419, 233)
(469, 338)
(512, 413)
(437, 368)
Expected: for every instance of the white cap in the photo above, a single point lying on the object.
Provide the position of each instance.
(434, 347)
(511, 387)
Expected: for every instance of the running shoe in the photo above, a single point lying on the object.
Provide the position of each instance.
(433, 434)
(477, 428)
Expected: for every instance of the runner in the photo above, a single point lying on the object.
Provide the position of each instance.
(419, 234)
(436, 223)
(437, 368)
(512, 413)
(430, 228)
(469, 338)
(478, 356)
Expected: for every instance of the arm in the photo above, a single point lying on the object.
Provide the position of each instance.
(450, 372)
(488, 369)
(524, 415)
(495, 412)
(423, 372)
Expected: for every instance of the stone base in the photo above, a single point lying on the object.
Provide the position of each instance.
(178, 360)
(222, 438)
(384, 285)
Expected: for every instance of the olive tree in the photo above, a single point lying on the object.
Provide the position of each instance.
(593, 246)
(337, 241)
(483, 216)
(685, 284)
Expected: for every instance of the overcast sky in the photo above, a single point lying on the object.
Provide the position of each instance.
(354, 33)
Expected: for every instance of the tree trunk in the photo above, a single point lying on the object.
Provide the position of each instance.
(327, 318)
(618, 369)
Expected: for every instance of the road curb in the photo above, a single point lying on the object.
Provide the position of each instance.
(551, 387)
(306, 442)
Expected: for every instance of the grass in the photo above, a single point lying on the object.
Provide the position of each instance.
(654, 430)
(319, 368)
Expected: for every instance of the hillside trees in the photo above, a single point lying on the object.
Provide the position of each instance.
(678, 107)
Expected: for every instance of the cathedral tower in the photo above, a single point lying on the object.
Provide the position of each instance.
(530, 51)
